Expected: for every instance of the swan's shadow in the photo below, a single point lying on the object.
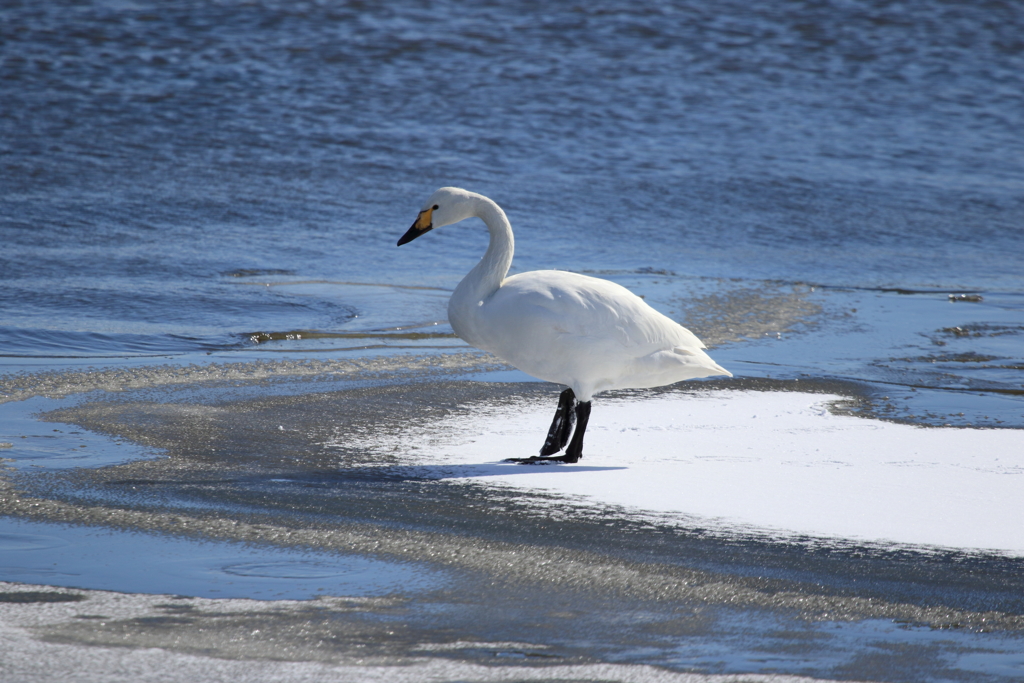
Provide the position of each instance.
(491, 469)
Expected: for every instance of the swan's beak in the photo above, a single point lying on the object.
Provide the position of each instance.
(421, 226)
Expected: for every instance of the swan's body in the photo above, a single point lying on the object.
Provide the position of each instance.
(584, 332)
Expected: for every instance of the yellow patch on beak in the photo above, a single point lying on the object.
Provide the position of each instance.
(424, 221)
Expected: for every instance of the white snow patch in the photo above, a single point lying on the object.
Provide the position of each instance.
(773, 461)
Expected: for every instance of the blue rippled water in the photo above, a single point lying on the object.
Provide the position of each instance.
(183, 178)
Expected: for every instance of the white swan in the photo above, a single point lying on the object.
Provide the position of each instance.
(590, 334)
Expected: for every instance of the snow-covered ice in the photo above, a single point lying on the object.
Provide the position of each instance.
(775, 462)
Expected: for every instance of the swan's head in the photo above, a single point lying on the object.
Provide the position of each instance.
(446, 206)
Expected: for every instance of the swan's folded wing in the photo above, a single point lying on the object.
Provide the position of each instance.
(586, 307)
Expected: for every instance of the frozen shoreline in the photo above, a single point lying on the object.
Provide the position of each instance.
(653, 602)
(229, 649)
(777, 462)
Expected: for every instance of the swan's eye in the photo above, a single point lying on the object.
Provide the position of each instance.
(436, 207)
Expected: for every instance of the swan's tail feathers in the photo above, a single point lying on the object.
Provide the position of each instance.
(704, 360)
(721, 370)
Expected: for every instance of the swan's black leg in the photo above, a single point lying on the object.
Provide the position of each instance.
(575, 450)
(561, 425)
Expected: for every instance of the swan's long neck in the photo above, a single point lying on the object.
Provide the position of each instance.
(487, 276)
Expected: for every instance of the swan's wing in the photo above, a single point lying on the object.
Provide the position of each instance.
(588, 333)
(553, 303)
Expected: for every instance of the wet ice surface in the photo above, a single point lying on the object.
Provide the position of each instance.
(383, 487)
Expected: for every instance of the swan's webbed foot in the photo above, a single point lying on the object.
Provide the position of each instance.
(561, 425)
(542, 459)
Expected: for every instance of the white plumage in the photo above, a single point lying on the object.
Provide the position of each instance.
(589, 334)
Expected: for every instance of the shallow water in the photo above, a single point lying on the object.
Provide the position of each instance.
(95, 558)
(199, 204)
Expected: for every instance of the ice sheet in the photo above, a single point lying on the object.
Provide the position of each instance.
(777, 462)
